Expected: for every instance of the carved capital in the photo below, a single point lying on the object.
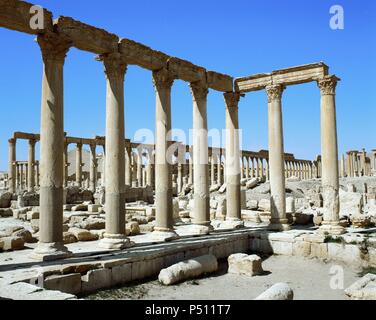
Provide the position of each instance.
(328, 85)
(274, 92)
(232, 99)
(199, 90)
(12, 141)
(114, 66)
(54, 47)
(32, 142)
(162, 79)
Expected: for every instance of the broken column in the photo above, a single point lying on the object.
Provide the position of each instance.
(12, 175)
(278, 219)
(329, 156)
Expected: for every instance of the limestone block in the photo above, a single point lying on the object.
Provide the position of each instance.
(35, 224)
(186, 70)
(252, 204)
(290, 205)
(93, 207)
(93, 223)
(121, 274)
(188, 269)
(69, 237)
(150, 211)
(32, 215)
(250, 215)
(301, 248)
(221, 209)
(243, 199)
(96, 279)
(281, 247)
(80, 207)
(4, 213)
(99, 233)
(132, 228)
(65, 227)
(213, 204)
(82, 234)
(264, 205)
(68, 207)
(252, 183)
(219, 82)
(86, 37)
(351, 203)
(319, 250)
(25, 235)
(279, 291)
(175, 207)
(5, 197)
(13, 243)
(372, 256)
(241, 263)
(348, 253)
(16, 15)
(363, 289)
(68, 283)
(184, 214)
(145, 228)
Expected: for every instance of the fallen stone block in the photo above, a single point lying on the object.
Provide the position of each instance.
(69, 237)
(25, 235)
(32, 215)
(241, 263)
(264, 205)
(68, 283)
(188, 269)
(251, 183)
(13, 243)
(82, 234)
(132, 228)
(279, 291)
(363, 289)
(5, 213)
(223, 188)
(80, 207)
(93, 207)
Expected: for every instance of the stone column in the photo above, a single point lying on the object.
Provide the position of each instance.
(343, 169)
(164, 227)
(257, 166)
(128, 166)
(54, 49)
(79, 164)
(139, 167)
(267, 169)
(21, 176)
(262, 174)
(115, 69)
(212, 170)
(37, 174)
(247, 167)
(233, 216)
(276, 159)
(201, 214)
(93, 167)
(17, 179)
(190, 165)
(65, 165)
(329, 156)
(12, 175)
(31, 162)
(252, 168)
(219, 169)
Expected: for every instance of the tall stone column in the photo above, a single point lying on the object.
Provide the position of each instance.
(190, 166)
(17, 182)
(12, 175)
(128, 166)
(22, 176)
(247, 167)
(219, 169)
(66, 164)
(115, 69)
(329, 156)
(93, 167)
(79, 164)
(276, 159)
(257, 167)
(54, 49)
(37, 174)
(31, 162)
(103, 178)
(233, 216)
(139, 167)
(201, 214)
(212, 170)
(252, 167)
(164, 227)
(267, 169)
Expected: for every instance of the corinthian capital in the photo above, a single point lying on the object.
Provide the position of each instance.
(162, 79)
(232, 99)
(328, 85)
(275, 92)
(114, 66)
(54, 47)
(199, 90)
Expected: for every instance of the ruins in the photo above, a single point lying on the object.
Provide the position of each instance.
(138, 208)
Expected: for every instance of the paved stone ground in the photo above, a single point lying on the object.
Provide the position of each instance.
(309, 279)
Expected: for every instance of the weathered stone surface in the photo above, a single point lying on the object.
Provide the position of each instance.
(223, 188)
(80, 207)
(13, 243)
(132, 228)
(25, 235)
(4, 213)
(349, 253)
(69, 237)
(363, 289)
(96, 279)
(33, 214)
(93, 207)
(188, 269)
(301, 248)
(121, 274)
(264, 205)
(186, 70)
(5, 197)
(221, 210)
(252, 204)
(16, 15)
(219, 82)
(68, 283)
(82, 234)
(251, 183)
(249, 265)
(279, 291)
(93, 223)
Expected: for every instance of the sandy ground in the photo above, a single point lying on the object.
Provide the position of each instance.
(309, 278)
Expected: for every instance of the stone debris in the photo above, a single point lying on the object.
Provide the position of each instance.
(188, 269)
(363, 289)
(249, 265)
(279, 291)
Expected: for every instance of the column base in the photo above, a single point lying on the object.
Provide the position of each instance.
(200, 229)
(279, 225)
(115, 242)
(232, 223)
(50, 251)
(162, 234)
(331, 228)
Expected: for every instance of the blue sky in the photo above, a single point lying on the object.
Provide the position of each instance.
(239, 37)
